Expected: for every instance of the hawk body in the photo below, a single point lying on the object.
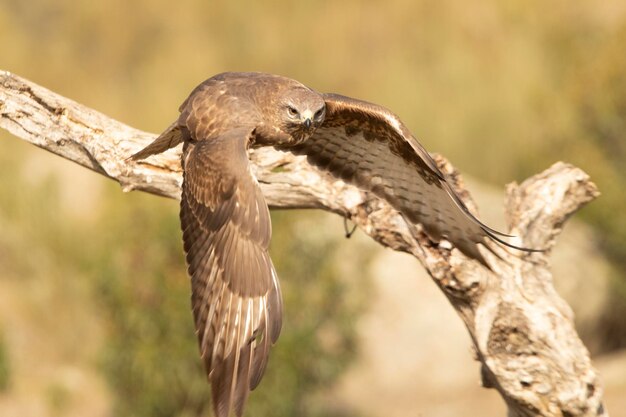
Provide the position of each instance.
(236, 300)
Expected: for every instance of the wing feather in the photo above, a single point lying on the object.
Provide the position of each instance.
(369, 146)
(171, 137)
(226, 233)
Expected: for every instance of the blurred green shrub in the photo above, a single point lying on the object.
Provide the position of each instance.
(5, 371)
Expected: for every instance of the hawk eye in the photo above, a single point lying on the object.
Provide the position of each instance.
(292, 111)
(318, 114)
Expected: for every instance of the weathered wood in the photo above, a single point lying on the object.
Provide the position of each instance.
(522, 331)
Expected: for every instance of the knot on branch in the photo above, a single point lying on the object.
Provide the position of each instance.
(538, 208)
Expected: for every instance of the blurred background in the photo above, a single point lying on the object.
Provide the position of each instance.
(94, 300)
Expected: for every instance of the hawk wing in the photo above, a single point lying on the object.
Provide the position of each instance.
(236, 296)
(369, 146)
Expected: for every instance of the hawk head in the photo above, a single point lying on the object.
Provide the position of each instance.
(298, 113)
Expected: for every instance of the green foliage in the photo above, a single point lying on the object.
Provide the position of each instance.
(150, 356)
(586, 125)
(58, 398)
(583, 116)
(597, 90)
(5, 371)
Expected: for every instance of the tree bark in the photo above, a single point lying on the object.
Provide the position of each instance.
(522, 331)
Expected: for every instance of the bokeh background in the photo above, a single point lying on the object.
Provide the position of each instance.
(94, 300)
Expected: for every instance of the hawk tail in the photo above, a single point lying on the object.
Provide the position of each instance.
(171, 137)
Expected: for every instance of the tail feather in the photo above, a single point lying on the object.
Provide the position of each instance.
(172, 136)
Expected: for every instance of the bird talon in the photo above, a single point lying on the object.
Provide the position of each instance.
(349, 233)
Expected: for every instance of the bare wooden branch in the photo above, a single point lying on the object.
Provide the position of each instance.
(522, 331)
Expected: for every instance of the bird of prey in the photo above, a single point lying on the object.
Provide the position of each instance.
(236, 299)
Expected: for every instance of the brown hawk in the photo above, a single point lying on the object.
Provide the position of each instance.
(236, 299)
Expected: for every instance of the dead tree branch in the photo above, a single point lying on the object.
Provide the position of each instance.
(522, 331)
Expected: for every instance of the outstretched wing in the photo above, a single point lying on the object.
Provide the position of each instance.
(236, 297)
(369, 146)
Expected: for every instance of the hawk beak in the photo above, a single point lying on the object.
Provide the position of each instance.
(307, 117)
